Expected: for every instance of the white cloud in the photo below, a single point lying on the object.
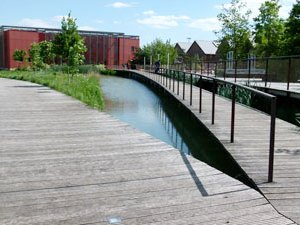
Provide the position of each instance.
(117, 22)
(206, 24)
(149, 13)
(58, 18)
(27, 22)
(120, 5)
(162, 22)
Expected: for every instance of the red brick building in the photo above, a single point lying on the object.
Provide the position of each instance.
(109, 48)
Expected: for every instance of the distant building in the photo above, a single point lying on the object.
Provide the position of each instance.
(183, 47)
(109, 48)
(205, 50)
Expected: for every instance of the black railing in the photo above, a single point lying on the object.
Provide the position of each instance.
(168, 76)
(264, 72)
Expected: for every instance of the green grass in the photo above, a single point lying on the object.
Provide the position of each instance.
(85, 69)
(85, 88)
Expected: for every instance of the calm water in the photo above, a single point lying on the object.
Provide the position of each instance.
(134, 103)
(157, 114)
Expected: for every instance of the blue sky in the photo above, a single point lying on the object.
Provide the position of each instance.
(176, 20)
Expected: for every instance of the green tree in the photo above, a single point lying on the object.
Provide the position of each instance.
(235, 28)
(46, 52)
(19, 56)
(223, 49)
(69, 45)
(156, 49)
(269, 30)
(35, 57)
(292, 32)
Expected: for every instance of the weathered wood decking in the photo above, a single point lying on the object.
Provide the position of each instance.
(251, 146)
(64, 163)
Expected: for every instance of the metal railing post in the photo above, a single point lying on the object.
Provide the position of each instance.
(213, 102)
(249, 69)
(208, 69)
(272, 138)
(173, 74)
(267, 72)
(191, 89)
(170, 79)
(177, 82)
(233, 96)
(235, 70)
(166, 77)
(289, 73)
(200, 95)
(224, 70)
(216, 69)
(183, 90)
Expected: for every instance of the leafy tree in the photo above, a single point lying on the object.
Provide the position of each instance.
(19, 55)
(292, 32)
(69, 45)
(235, 28)
(156, 49)
(46, 52)
(35, 57)
(223, 49)
(269, 29)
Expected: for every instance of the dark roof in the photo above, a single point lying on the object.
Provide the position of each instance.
(55, 30)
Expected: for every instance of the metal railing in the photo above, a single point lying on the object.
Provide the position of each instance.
(170, 78)
(263, 72)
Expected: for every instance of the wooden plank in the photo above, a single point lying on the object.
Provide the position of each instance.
(251, 146)
(64, 163)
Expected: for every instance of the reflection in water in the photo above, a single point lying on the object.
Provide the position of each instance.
(176, 139)
(161, 117)
(132, 102)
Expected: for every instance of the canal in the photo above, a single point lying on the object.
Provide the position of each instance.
(152, 111)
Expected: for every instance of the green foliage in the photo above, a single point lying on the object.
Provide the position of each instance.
(85, 88)
(35, 57)
(156, 49)
(223, 48)
(235, 28)
(69, 45)
(243, 96)
(292, 32)
(108, 72)
(46, 52)
(85, 69)
(269, 30)
(19, 55)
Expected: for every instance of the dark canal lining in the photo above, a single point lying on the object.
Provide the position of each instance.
(151, 110)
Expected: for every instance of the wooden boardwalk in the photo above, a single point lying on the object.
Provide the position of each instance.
(64, 163)
(251, 146)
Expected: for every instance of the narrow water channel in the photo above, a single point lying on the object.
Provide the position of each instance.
(153, 112)
(134, 103)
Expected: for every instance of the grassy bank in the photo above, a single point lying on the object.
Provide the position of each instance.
(85, 88)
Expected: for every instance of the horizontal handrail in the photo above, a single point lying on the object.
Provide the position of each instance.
(226, 82)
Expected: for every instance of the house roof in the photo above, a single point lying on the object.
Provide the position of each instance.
(208, 47)
(184, 46)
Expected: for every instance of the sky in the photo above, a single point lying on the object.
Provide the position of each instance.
(176, 20)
